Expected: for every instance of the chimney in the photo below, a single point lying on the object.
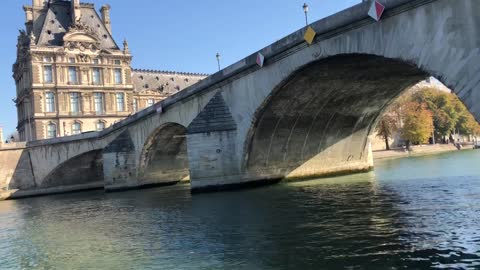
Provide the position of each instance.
(76, 11)
(28, 18)
(105, 10)
(38, 4)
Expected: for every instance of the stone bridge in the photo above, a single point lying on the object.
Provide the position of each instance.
(307, 112)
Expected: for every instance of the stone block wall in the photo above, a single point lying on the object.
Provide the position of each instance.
(15, 170)
(212, 158)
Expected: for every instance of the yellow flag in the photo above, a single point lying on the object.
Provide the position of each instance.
(309, 35)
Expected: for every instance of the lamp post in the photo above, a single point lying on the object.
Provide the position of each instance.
(218, 61)
(305, 9)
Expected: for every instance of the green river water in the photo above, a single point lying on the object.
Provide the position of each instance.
(412, 213)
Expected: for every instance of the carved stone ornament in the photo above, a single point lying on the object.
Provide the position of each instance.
(32, 39)
(83, 58)
(79, 26)
(82, 46)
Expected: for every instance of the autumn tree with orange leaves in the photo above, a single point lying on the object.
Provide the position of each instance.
(417, 123)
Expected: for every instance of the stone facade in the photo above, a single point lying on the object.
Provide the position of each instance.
(72, 77)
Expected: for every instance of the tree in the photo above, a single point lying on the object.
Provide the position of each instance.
(386, 127)
(444, 107)
(425, 111)
(418, 123)
(467, 125)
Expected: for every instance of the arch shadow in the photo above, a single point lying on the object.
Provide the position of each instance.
(317, 121)
(164, 159)
(86, 168)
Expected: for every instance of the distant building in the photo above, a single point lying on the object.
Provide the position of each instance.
(72, 77)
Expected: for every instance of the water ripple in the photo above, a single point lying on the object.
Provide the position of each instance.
(409, 214)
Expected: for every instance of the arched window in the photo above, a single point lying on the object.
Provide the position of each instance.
(100, 126)
(76, 128)
(51, 131)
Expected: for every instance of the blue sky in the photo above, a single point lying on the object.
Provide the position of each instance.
(175, 35)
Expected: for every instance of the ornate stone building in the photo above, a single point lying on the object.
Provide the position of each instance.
(72, 77)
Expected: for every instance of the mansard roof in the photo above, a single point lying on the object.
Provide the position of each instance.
(163, 82)
(51, 26)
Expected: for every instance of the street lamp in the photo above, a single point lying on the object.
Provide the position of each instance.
(218, 61)
(305, 9)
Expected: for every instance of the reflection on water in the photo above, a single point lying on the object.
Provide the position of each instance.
(411, 213)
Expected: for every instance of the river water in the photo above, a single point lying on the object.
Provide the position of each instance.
(414, 213)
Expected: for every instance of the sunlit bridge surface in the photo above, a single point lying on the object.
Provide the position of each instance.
(416, 213)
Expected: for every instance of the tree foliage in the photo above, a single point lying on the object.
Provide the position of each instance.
(420, 113)
(418, 123)
(444, 107)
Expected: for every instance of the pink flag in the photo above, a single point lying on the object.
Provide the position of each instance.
(260, 59)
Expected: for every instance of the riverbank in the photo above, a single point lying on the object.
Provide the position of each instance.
(418, 150)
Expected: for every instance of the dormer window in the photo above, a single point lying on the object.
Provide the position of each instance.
(71, 60)
(117, 62)
(96, 61)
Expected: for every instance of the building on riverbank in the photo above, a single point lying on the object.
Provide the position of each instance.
(72, 76)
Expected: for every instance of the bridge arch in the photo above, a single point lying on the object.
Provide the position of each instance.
(164, 158)
(318, 120)
(86, 168)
